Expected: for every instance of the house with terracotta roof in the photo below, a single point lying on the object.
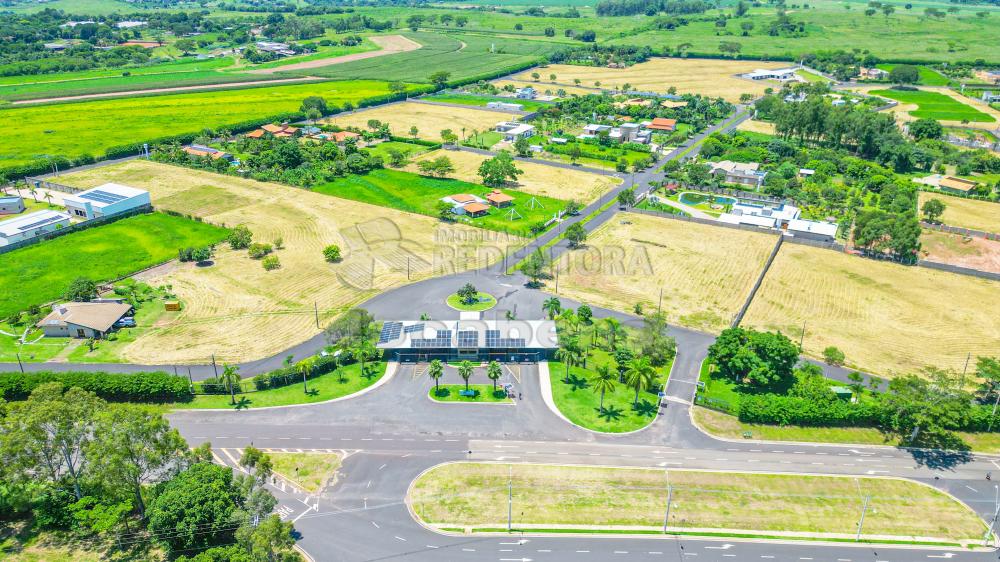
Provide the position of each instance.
(83, 319)
(957, 185)
(499, 199)
(282, 130)
(662, 124)
(467, 204)
(474, 209)
(200, 151)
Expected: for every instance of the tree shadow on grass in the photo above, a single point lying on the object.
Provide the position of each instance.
(609, 414)
(312, 392)
(577, 382)
(644, 408)
(242, 403)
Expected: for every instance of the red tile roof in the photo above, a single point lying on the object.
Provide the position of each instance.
(662, 124)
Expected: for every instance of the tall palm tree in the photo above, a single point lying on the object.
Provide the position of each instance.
(363, 352)
(552, 306)
(494, 372)
(571, 320)
(465, 371)
(435, 371)
(614, 331)
(604, 382)
(33, 192)
(640, 375)
(48, 197)
(305, 367)
(231, 377)
(566, 355)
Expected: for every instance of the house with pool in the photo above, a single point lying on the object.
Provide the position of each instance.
(783, 217)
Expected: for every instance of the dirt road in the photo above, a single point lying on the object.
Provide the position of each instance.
(390, 44)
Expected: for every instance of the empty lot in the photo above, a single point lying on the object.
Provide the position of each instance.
(429, 119)
(237, 310)
(966, 213)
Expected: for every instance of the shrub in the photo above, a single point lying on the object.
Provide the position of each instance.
(258, 250)
(833, 356)
(271, 263)
(332, 253)
(154, 386)
(794, 410)
(240, 238)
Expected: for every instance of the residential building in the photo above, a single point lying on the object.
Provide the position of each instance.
(526, 93)
(957, 185)
(467, 205)
(282, 49)
(812, 230)
(662, 124)
(474, 209)
(56, 46)
(201, 151)
(76, 23)
(283, 130)
(475, 340)
(11, 204)
(781, 213)
(872, 73)
(594, 129)
(31, 225)
(796, 98)
(105, 200)
(129, 24)
(990, 97)
(83, 319)
(743, 173)
(505, 106)
(513, 130)
(748, 220)
(779, 74)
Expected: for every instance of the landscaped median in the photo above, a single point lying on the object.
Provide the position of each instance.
(473, 497)
(475, 393)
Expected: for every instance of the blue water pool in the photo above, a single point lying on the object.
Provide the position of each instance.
(689, 198)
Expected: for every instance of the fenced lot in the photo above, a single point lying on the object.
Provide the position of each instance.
(237, 310)
(710, 77)
(41, 273)
(966, 213)
(934, 105)
(538, 179)
(705, 272)
(429, 119)
(887, 318)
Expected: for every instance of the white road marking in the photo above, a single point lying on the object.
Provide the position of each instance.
(399, 538)
(376, 525)
(383, 466)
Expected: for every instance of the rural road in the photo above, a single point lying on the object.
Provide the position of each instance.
(389, 45)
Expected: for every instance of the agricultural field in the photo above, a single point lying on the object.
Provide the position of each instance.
(429, 119)
(538, 179)
(928, 76)
(42, 272)
(420, 194)
(228, 305)
(888, 319)
(710, 77)
(382, 149)
(705, 272)
(481, 101)
(935, 105)
(955, 249)
(966, 213)
(92, 127)
(548, 88)
(633, 498)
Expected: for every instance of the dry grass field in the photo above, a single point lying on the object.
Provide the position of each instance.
(429, 119)
(955, 249)
(538, 179)
(754, 126)
(887, 318)
(705, 271)
(966, 213)
(583, 496)
(708, 77)
(543, 85)
(237, 310)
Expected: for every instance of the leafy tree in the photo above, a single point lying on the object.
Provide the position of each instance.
(494, 372)
(448, 136)
(933, 209)
(534, 267)
(498, 170)
(730, 48)
(415, 21)
(753, 358)
(468, 294)
(272, 540)
(654, 341)
(584, 313)
(435, 371)
(465, 371)
(196, 509)
(552, 306)
(833, 356)
(414, 131)
(271, 263)
(397, 158)
(576, 235)
(573, 208)
(523, 147)
(231, 378)
(639, 375)
(904, 74)
(922, 410)
(615, 332)
(185, 45)
(626, 197)
(332, 253)
(926, 129)
(314, 102)
(988, 371)
(353, 326)
(240, 238)
(857, 387)
(445, 211)
(81, 290)
(258, 466)
(258, 250)
(439, 78)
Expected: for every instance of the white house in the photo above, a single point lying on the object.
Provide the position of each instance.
(743, 173)
(513, 130)
(83, 319)
(781, 214)
(277, 48)
(105, 200)
(812, 230)
(11, 204)
(593, 129)
(31, 225)
(780, 74)
(990, 97)
(504, 106)
(129, 24)
(527, 93)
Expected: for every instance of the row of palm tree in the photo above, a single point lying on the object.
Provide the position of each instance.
(465, 369)
(639, 375)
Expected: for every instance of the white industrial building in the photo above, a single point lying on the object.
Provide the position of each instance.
(105, 200)
(31, 225)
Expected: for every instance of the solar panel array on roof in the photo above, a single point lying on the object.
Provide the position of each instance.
(102, 196)
(512, 342)
(492, 338)
(414, 328)
(42, 222)
(468, 338)
(390, 331)
(443, 339)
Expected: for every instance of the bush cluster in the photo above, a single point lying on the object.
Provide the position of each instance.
(114, 387)
(291, 374)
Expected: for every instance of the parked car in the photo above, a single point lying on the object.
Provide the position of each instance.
(126, 322)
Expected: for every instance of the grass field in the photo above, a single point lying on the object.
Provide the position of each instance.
(481, 101)
(484, 394)
(461, 494)
(537, 179)
(887, 318)
(42, 272)
(966, 213)
(230, 305)
(730, 427)
(420, 194)
(705, 272)
(928, 76)
(91, 127)
(544, 86)
(709, 77)
(955, 249)
(312, 471)
(382, 149)
(429, 119)
(934, 105)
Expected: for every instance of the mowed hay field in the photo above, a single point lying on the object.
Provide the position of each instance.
(543, 86)
(710, 77)
(537, 179)
(237, 310)
(966, 213)
(887, 318)
(429, 119)
(705, 271)
(475, 494)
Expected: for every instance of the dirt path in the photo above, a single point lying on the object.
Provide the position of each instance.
(166, 90)
(390, 44)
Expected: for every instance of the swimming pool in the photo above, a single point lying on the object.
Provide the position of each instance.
(689, 198)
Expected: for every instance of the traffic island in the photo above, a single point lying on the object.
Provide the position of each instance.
(477, 303)
(476, 393)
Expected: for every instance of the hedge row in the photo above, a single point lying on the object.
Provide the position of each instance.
(410, 140)
(291, 375)
(115, 387)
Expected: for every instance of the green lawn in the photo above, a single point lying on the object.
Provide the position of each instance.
(420, 194)
(42, 272)
(485, 302)
(484, 139)
(484, 394)
(310, 470)
(382, 149)
(928, 76)
(933, 105)
(92, 127)
(344, 381)
(482, 100)
(36, 350)
(811, 76)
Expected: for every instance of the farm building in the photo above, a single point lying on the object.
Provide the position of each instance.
(200, 151)
(31, 225)
(990, 97)
(512, 130)
(812, 230)
(499, 199)
(83, 319)
(282, 49)
(594, 129)
(957, 185)
(780, 74)
(106, 200)
(11, 204)
(743, 173)
(476, 340)
(505, 106)
(663, 125)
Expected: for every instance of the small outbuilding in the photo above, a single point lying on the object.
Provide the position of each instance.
(957, 185)
(11, 204)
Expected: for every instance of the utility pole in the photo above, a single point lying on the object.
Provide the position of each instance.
(861, 523)
(316, 310)
(961, 384)
(190, 379)
(666, 514)
(802, 336)
(510, 495)
(214, 367)
(19, 364)
(993, 522)
(659, 304)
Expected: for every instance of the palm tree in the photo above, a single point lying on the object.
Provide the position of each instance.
(571, 320)
(363, 352)
(493, 371)
(614, 331)
(33, 192)
(640, 375)
(465, 371)
(231, 377)
(48, 197)
(435, 371)
(567, 356)
(305, 367)
(604, 382)
(552, 306)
